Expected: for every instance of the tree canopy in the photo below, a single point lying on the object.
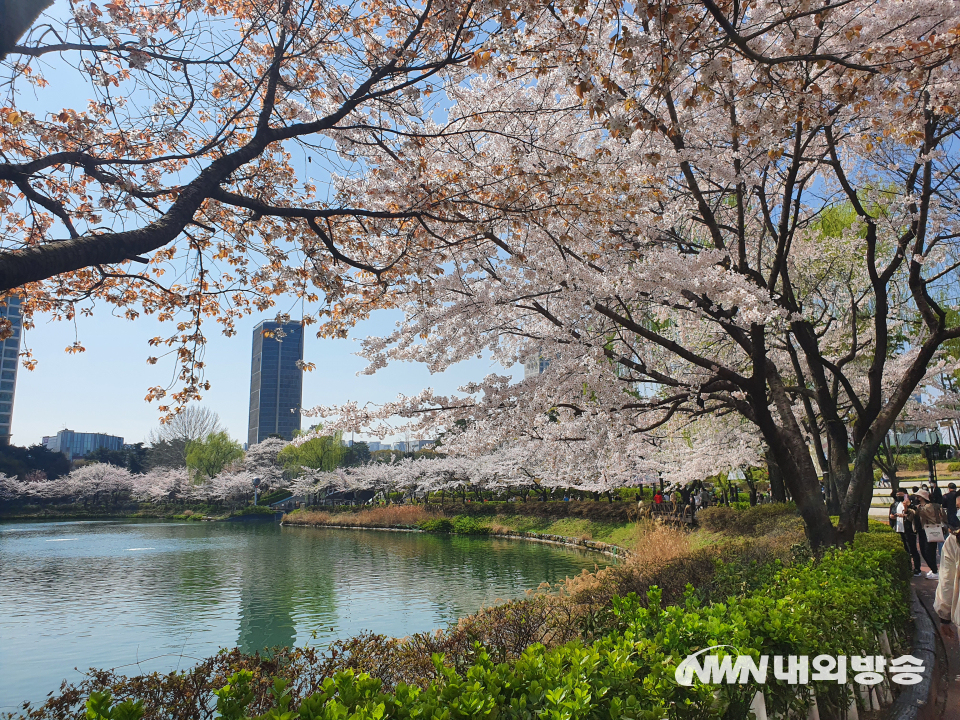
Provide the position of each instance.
(732, 228)
(209, 456)
(174, 192)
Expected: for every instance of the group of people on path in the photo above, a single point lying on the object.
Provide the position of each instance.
(923, 517)
(927, 517)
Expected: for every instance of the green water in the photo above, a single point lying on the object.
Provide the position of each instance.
(146, 596)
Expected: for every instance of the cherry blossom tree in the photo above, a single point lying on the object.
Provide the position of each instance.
(691, 210)
(173, 191)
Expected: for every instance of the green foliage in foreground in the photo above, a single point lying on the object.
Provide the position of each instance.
(835, 606)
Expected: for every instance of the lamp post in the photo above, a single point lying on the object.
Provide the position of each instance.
(925, 444)
(256, 485)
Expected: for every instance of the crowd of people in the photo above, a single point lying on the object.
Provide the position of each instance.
(923, 517)
(691, 499)
(926, 519)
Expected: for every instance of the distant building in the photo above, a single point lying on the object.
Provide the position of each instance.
(77, 445)
(425, 444)
(276, 380)
(375, 446)
(535, 365)
(8, 371)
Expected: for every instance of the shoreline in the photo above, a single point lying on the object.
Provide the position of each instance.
(592, 545)
(598, 546)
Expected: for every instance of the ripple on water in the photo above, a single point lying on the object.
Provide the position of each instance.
(146, 596)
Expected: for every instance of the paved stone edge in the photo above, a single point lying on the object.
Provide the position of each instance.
(912, 704)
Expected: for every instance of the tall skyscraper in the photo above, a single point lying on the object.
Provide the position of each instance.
(8, 371)
(276, 380)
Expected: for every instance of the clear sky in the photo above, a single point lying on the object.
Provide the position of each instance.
(103, 389)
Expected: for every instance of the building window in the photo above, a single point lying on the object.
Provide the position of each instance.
(8, 375)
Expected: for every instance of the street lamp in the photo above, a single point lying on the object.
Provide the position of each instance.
(256, 485)
(925, 444)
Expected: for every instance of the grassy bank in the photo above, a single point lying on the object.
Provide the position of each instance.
(621, 532)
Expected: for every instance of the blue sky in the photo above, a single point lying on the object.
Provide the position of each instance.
(103, 389)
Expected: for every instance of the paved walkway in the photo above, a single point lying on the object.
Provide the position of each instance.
(949, 693)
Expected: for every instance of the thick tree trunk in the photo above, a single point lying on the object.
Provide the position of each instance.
(799, 474)
(855, 509)
(777, 489)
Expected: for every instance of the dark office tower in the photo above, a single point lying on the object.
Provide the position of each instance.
(276, 380)
(8, 371)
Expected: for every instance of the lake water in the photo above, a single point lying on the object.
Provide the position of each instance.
(146, 596)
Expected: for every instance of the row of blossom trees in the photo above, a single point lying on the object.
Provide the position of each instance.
(519, 470)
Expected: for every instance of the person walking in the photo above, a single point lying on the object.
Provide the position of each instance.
(936, 494)
(899, 522)
(928, 521)
(950, 506)
(946, 602)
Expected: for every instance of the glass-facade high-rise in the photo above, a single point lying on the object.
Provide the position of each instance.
(276, 380)
(8, 370)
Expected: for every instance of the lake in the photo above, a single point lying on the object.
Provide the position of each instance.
(143, 596)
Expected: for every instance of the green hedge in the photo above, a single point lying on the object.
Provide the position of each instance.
(460, 524)
(836, 605)
(254, 510)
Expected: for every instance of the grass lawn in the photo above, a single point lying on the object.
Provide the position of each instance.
(622, 534)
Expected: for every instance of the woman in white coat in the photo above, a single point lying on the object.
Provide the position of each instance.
(947, 604)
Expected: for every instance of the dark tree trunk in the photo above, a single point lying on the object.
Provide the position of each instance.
(777, 489)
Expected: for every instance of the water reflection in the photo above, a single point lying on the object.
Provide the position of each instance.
(145, 596)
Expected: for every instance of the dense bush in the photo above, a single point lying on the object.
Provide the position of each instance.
(275, 496)
(836, 605)
(953, 467)
(459, 524)
(436, 525)
(914, 463)
(745, 521)
(603, 511)
(255, 510)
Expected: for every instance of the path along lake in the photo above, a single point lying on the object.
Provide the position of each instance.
(157, 596)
